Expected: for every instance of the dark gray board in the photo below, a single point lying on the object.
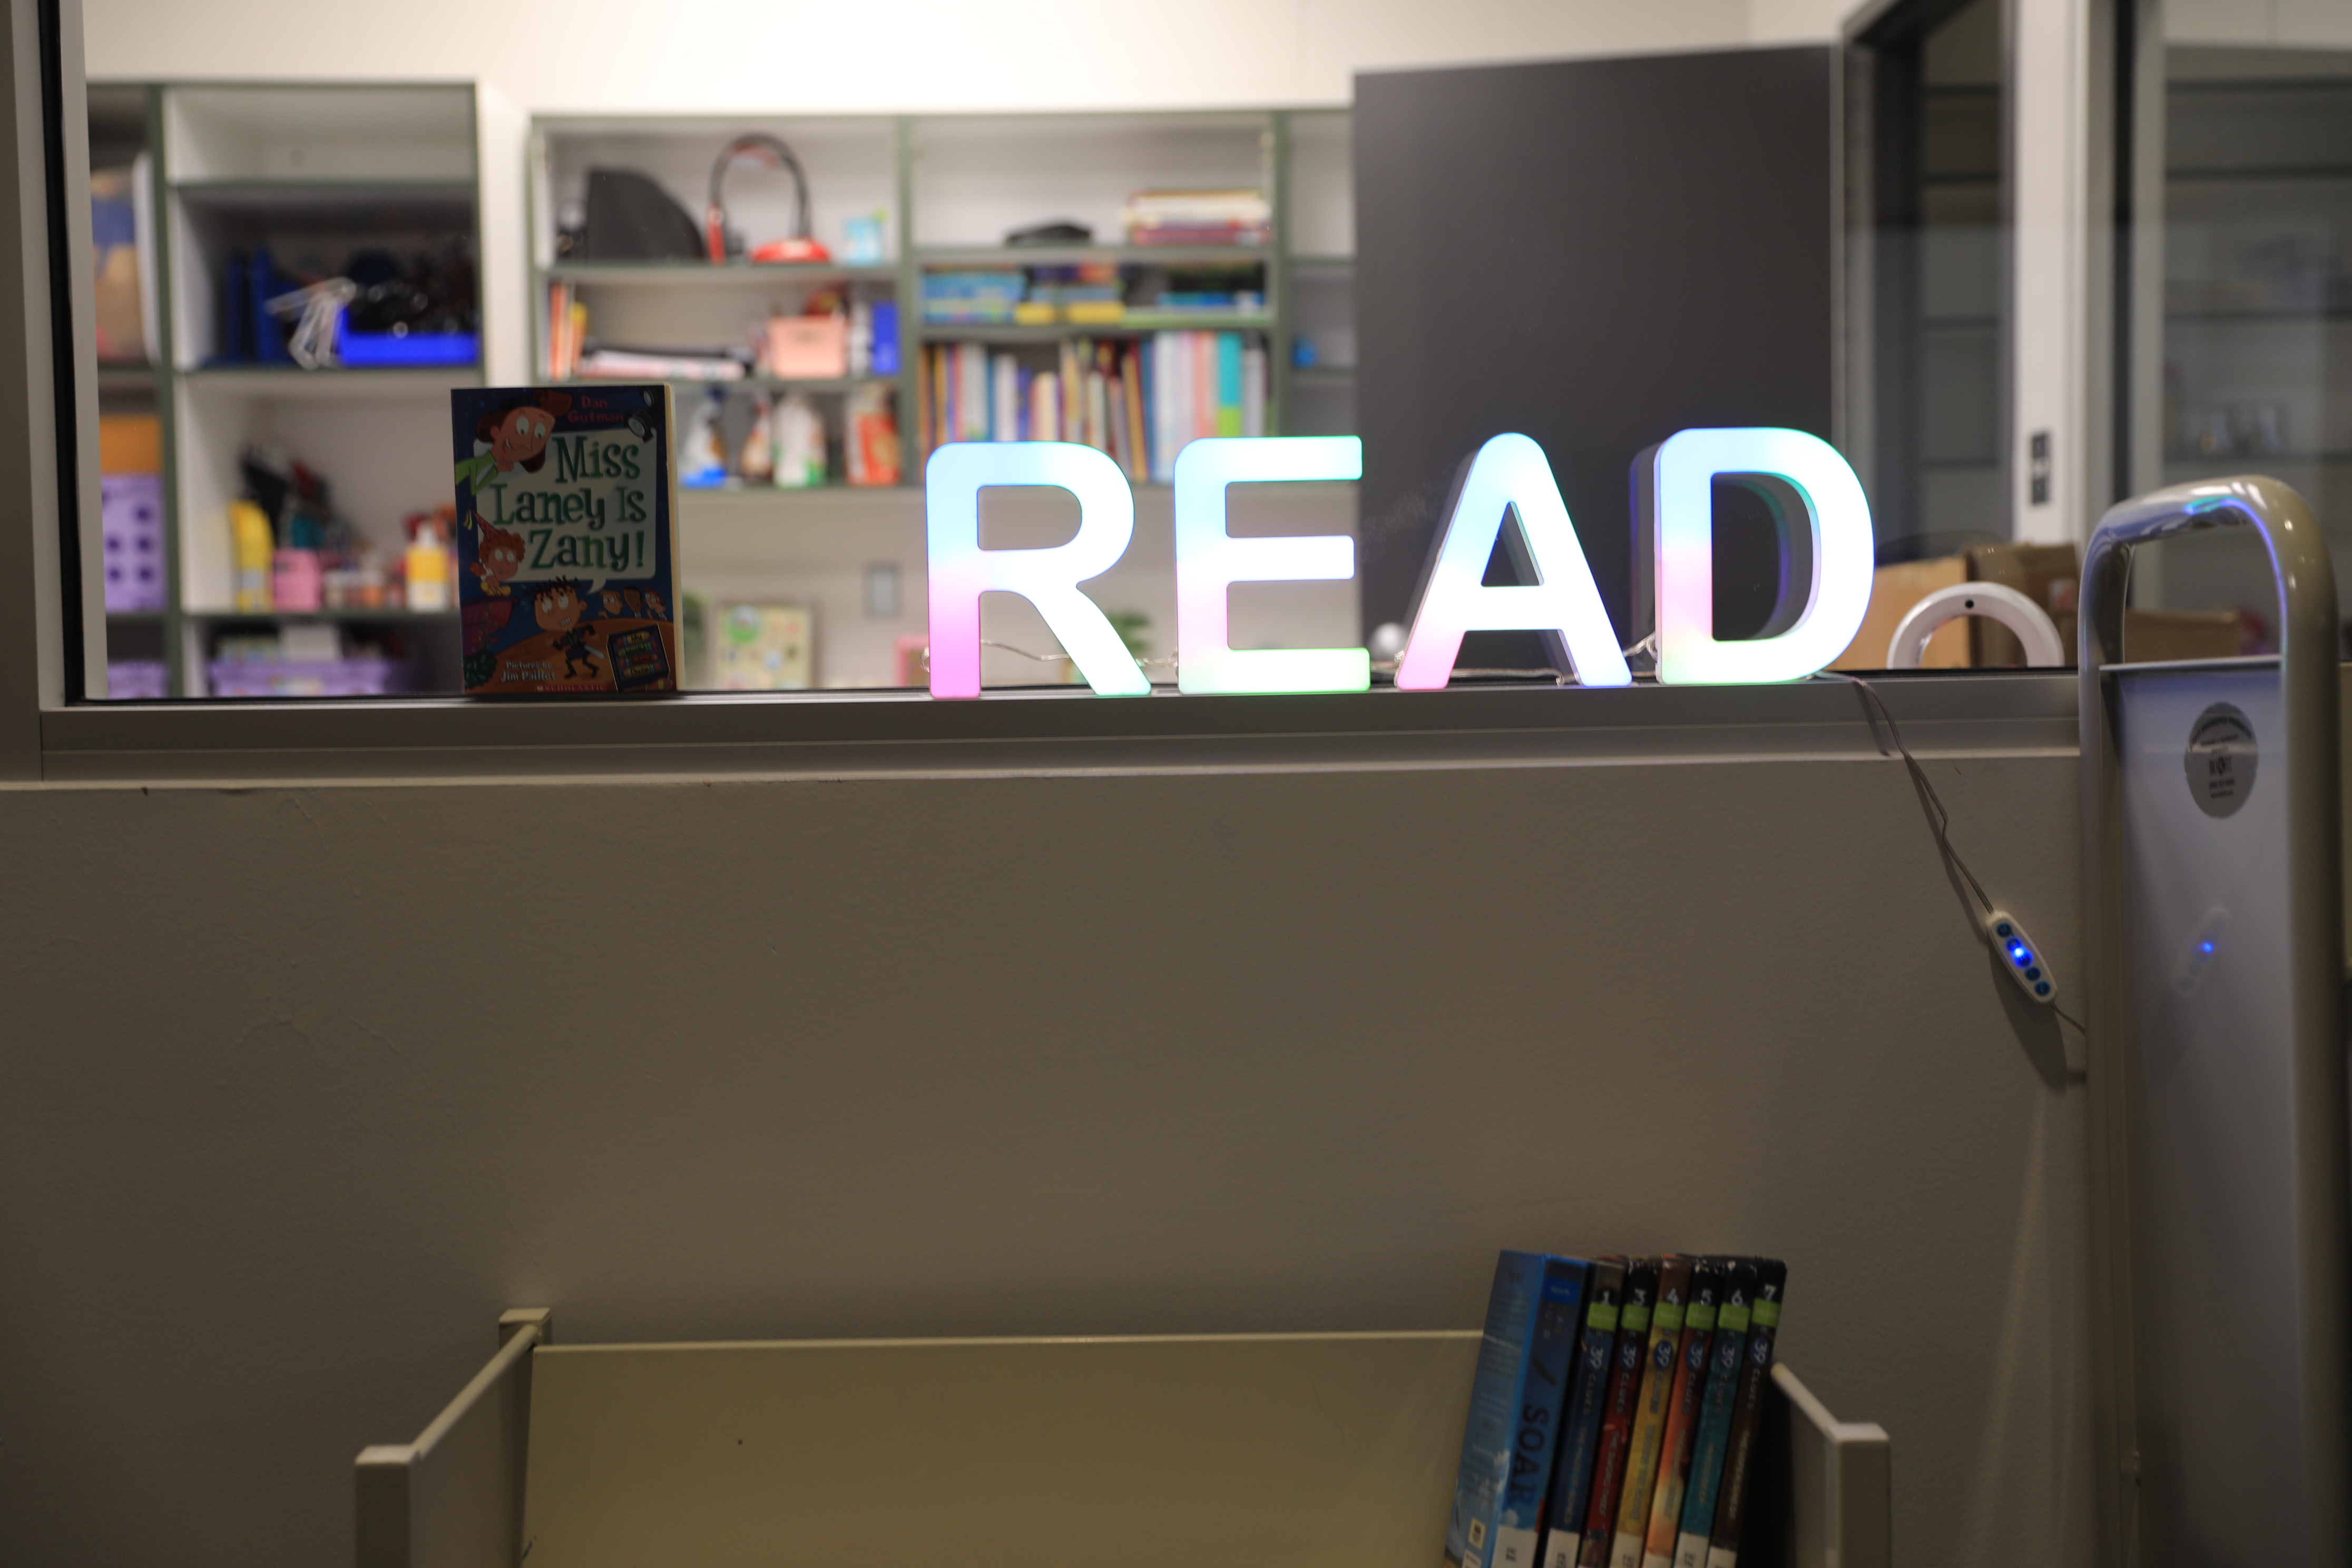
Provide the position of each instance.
(1596, 254)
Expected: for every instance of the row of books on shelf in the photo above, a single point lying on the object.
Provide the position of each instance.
(1139, 400)
(1237, 216)
(1084, 294)
(1614, 1414)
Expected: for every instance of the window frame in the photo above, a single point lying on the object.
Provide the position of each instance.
(49, 732)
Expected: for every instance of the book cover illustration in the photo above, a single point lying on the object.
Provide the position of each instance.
(1726, 1353)
(567, 543)
(1660, 1357)
(1579, 1430)
(1551, 1365)
(1534, 1298)
(1617, 1413)
(1682, 1420)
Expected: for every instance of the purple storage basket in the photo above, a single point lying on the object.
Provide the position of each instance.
(137, 680)
(303, 678)
(131, 524)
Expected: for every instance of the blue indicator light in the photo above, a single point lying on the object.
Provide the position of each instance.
(2204, 947)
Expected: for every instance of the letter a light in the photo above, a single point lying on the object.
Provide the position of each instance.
(1049, 578)
(1681, 500)
(1510, 471)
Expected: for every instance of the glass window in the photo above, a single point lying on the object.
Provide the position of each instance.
(2237, 272)
(1932, 406)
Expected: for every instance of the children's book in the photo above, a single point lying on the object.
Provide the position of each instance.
(1726, 1353)
(1682, 1416)
(1580, 1428)
(567, 538)
(1660, 1357)
(1771, 1281)
(1617, 1413)
(1551, 1369)
(1515, 1397)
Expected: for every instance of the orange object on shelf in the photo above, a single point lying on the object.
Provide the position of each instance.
(130, 443)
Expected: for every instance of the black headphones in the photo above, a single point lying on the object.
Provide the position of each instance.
(775, 155)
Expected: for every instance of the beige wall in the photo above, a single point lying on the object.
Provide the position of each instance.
(303, 1086)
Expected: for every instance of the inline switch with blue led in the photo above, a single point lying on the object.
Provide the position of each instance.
(2020, 957)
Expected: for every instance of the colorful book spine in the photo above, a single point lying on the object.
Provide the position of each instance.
(1501, 1393)
(1725, 1351)
(1660, 1357)
(1552, 1366)
(1755, 1374)
(1229, 383)
(1682, 1418)
(1579, 1430)
(1617, 1414)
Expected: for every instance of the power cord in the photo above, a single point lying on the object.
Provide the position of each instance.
(1998, 929)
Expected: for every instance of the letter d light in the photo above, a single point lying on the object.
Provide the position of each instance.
(1680, 503)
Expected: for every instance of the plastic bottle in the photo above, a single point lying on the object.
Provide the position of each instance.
(800, 443)
(254, 544)
(758, 462)
(427, 570)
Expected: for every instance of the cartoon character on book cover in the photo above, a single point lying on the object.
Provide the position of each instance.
(566, 554)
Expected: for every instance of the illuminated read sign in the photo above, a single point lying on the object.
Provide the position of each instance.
(1826, 554)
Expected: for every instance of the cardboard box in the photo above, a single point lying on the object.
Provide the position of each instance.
(2161, 636)
(2046, 573)
(1893, 591)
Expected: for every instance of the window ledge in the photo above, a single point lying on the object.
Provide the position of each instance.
(1046, 730)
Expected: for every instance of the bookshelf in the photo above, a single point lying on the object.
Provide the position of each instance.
(317, 173)
(1311, 1447)
(946, 190)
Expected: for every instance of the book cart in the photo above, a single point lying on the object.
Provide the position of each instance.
(1272, 1448)
(2221, 1164)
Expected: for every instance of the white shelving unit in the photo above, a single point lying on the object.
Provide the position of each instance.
(312, 173)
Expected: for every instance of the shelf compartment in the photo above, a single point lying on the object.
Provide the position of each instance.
(335, 617)
(343, 132)
(278, 380)
(833, 383)
(732, 274)
(1177, 256)
(1134, 324)
(1312, 1447)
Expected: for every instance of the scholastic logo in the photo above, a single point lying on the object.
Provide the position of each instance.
(1826, 556)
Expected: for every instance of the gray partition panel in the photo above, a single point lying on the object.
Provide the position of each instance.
(1573, 251)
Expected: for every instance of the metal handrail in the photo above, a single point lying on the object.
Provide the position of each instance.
(2309, 654)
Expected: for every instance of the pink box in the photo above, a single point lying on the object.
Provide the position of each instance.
(130, 527)
(297, 582)
(807, 347)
